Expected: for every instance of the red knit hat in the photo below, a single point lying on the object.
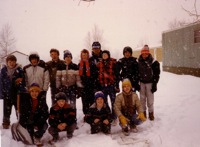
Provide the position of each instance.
(145, 50)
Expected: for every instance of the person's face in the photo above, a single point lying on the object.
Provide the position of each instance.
(126, 88)
(11, 64)
(84, 56)
(99, 101)
(34, 94)
(96, 51)
(105, 56)
(127, 54)
(54, 56)
(145, 55)
(68, 60)
(61, 103)
(34, 61)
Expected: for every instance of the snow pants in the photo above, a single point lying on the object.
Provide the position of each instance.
(100, 126)
(146, 97)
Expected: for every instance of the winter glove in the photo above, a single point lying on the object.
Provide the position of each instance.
(154, 87)
(141, 116)
(123, 120)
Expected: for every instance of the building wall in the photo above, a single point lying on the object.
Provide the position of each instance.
(180, 52)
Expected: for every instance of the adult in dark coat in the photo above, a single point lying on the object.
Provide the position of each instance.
(128, 68)
(149, 73)
(99, 116)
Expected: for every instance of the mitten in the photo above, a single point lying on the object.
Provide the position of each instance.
(123, 120)
(154, 87)
(141, 116)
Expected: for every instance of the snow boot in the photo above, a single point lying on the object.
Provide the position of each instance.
(133, 128)
(126, 131)
(151, 116)
(37, 141)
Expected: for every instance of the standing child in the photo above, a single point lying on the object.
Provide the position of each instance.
(126, 105)
(34, 113)
(149, 73)
(99, 116)
(62, 118)
(12, 82)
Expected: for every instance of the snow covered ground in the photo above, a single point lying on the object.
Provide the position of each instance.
(177, 121)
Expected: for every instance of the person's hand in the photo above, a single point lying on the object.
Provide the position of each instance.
(154, 87)
(96, 120)
(123, 120)
(18, 81)
(141, 116)
(106, 121)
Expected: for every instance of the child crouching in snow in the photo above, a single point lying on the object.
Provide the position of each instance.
(126, 105)
(99, 115)
(34, 114)
(62, 118)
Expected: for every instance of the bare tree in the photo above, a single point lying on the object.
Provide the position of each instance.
(193, 13)
(176, 23)
(7, 40)
(95, 35)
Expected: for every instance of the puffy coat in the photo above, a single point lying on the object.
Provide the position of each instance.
(94, 113)
(37, 74)
(8, 84)
(120, 107)
(27, 117)
(149, 70)
(58, 115)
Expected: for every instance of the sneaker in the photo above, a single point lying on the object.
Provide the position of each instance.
(114, 122)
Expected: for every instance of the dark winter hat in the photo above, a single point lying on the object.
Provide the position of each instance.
(106, 52)
(54, 50)
(98, 94)
(61, 96)
(145, 50)
(11, 58)
(67, 53)
(34, 56)
(96, 45)
(34, 86)
(128, 49)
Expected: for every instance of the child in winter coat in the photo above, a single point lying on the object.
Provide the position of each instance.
(99, 116)
(12, 83)
(126, 105)
(34, 113)
(149, 74)
(62, 118)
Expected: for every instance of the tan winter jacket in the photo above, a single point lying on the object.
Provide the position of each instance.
(119, 104)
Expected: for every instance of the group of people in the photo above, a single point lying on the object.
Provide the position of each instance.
(93, 79)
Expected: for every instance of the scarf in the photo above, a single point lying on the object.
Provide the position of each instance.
(81, 68)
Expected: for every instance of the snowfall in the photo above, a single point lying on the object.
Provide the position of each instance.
(176, 124)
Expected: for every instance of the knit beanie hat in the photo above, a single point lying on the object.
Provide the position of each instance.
(126, 82)
(67, 53)
(145, 50)
(96, 45)
(128, 49)
(61, 96)
(34, 86)
(98, 94)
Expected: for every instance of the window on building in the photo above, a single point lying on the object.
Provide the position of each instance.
(197, 36)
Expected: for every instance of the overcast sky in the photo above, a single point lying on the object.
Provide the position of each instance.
(39, 25)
